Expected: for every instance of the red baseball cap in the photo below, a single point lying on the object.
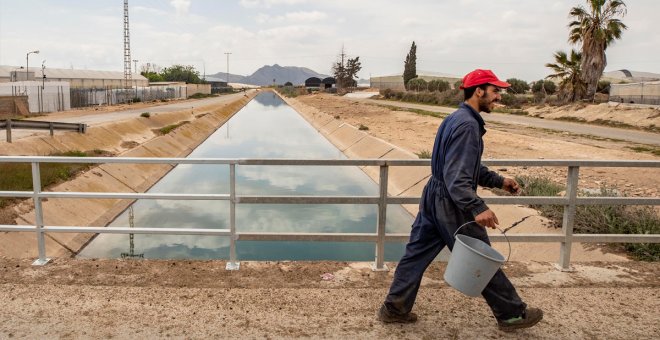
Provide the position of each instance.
(478, 77)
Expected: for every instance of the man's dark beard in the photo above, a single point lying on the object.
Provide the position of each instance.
(483, 105)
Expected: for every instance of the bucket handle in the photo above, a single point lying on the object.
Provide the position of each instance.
(502, 231)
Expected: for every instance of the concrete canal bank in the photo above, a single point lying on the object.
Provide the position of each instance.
(137, 137)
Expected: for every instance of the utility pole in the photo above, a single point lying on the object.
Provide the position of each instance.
(27, 63)
(227, 53)
(135, 61)
(128, 76)
(43, 76)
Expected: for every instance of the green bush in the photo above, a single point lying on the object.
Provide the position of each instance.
(145, 114)
(603, 87)
(513, 101)
(363, 127)
(417, 84)
(600, 219)
(424, 154)
(438, 85)
(550, 87)
(167, 129)
(517, 86)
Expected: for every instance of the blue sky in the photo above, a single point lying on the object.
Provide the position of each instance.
(515, 38)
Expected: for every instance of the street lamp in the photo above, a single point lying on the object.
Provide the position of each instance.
(27, 63)
(227, 54)
(43, 76)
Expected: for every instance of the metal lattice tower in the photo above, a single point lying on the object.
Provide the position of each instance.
(128, 76)
(131, 245)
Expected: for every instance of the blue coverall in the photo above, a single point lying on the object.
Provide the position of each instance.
(450, 199)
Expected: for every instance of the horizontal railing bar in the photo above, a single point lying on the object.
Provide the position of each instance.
(331, 237)
(537, 200)
(327, 237)
(403, 200)
(320, 162)
(103, 195)
(580, 163)
(526, 237)
(617, 238)
(16, 194)
(540, 200)
(128, 230)
(17, 228)
(307, 199)
(618, 201)
(38, 125)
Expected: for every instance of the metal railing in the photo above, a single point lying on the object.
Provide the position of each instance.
(380, 237)
(9, 124)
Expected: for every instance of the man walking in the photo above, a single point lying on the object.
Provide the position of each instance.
(449, 200)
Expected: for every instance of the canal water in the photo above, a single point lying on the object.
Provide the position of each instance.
(265, 128)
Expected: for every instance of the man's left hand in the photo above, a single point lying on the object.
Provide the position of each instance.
(511, 186)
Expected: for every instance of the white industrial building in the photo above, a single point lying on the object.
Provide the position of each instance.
(75, 78)
(395, 82)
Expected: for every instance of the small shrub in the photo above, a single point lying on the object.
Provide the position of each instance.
(167, 129)
(424, 154)
(417, 84)
(145, 114)
(438, 85)
(363, 127)
(600, 219)
(136, 100)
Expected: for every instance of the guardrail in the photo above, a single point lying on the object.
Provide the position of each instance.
(9, 124)
(566, 239)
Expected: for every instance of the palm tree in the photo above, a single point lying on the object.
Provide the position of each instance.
(567, 69)
(596, 27)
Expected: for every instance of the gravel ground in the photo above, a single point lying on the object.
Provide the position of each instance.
(199, 299)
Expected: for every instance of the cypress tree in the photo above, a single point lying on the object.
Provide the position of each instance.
(410, 65)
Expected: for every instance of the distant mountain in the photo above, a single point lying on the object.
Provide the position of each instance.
(266, 74)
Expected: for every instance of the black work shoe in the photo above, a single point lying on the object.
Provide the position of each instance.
(530, 317)
(384, 315)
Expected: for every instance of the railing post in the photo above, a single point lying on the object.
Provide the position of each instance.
(50, 126)
(38, 216)
(8, 126)
(569, 218)
(232, 264)
(379, 264)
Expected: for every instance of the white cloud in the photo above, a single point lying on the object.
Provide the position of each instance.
(291, 17)
(269, 3)
(181, 6)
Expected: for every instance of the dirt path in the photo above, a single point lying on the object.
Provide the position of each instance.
(416, 132)
(603, 132)
(199, 299)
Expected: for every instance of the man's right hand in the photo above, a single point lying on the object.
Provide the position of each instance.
(487, 219)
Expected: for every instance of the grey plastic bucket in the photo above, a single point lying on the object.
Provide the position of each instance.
(472, 264)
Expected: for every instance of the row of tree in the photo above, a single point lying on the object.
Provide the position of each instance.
(184, 73)
(595, 27)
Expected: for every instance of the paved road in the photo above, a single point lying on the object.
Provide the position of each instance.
(630, 135)
(93, 118)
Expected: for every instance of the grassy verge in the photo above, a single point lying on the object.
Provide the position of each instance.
(601, 219)
(167, 129)
(202, 95)
(610, 123)
(18, 176)
(652, 150)
(417, 111)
